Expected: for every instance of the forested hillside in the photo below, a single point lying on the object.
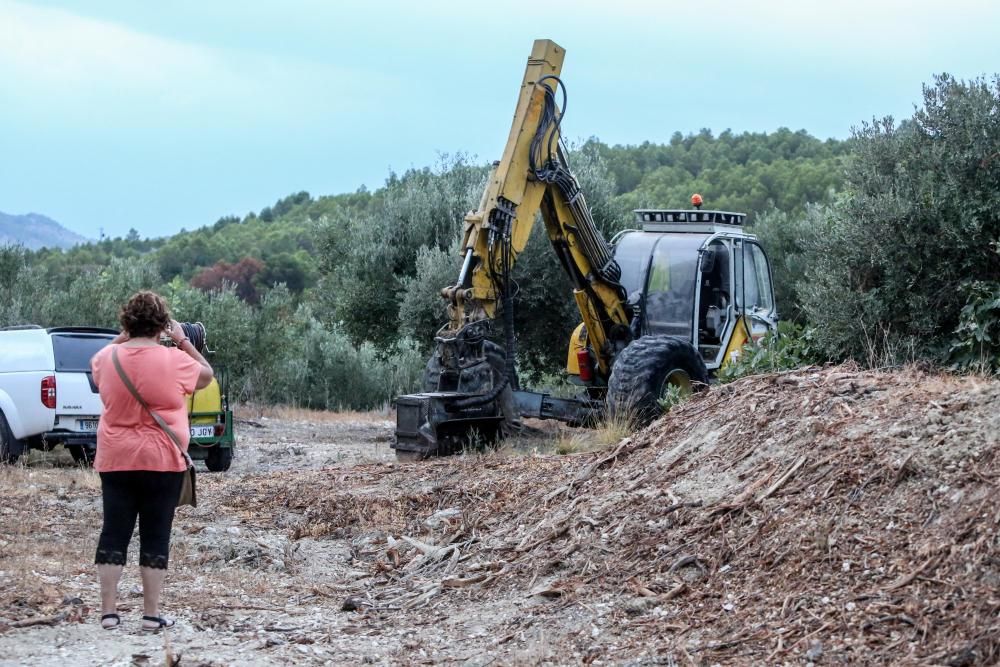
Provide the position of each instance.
(745, 172)
(333, 300)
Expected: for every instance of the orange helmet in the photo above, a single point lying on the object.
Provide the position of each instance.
(696, 200)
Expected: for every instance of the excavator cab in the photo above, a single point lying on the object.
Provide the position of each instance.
(697, 275)
(700, 289)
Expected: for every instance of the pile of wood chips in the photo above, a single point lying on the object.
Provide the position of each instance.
(824, 515)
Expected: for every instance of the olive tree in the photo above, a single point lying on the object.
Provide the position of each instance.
(917, 226)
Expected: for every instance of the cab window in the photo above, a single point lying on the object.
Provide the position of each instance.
(757, 279)
(670, 286)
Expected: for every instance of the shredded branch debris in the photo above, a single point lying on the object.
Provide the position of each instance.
(825, 512)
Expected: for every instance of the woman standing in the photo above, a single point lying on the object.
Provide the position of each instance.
(140, 466)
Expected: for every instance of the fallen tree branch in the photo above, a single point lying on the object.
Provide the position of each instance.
(458, 582)
(902, 618)
(781, 480)
(687, 560)
(626, 446)
(908, 578)
(674, 592)
(39, 620)
(677, 506)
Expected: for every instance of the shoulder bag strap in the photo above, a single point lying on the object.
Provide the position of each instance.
(135, 394)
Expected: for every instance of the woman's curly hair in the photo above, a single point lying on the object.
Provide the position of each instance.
(144, 315)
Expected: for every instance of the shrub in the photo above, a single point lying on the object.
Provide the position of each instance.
(369, 257)
(280, 352)
(90, 296)
(422, 311)
(976, 343)
(792, 346)
(20, 288)
(672, 397)
(786, 238)
(919, 220)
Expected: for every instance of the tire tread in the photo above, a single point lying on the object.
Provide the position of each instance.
(639, 370)
(219, 459)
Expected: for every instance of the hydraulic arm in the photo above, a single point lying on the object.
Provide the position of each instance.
(471, 382)
(533, 176)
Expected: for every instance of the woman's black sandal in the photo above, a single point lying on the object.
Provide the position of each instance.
(111, 617)
(160, 623)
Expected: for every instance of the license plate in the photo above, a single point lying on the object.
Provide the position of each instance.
(203, 431)
(89, 425)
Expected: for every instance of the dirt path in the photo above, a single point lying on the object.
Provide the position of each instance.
(245, 587)
(242, 591)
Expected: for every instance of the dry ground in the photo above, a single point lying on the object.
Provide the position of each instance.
(827, 516)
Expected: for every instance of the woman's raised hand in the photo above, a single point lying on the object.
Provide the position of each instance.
(176, 332)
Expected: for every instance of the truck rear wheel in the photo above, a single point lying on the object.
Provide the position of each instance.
(82, 455)
(219, 459)
(10, 448)
(645, 370)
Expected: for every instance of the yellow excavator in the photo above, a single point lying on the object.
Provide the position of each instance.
(663, 305)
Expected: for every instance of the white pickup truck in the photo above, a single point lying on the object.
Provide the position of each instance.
(47, 394)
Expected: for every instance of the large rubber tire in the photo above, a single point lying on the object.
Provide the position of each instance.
(644, 370)
(10, 449)
(219, 459)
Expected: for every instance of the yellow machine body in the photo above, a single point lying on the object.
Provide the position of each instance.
(738, 340)
(205, 400)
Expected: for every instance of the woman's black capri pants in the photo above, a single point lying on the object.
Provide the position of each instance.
(151, 496)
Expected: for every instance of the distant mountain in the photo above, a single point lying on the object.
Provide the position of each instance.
(35, 231)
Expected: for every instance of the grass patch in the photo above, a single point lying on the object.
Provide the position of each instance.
(257, 411)
(612, 428)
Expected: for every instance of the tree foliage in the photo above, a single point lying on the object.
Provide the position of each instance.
(369, 258)
(242, 276)
(748, 172)
(786, 237)
(917, 222)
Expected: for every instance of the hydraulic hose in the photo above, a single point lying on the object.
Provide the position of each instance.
(548, 162)
(482, 399)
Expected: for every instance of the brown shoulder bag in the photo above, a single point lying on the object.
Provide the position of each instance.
(188, 495)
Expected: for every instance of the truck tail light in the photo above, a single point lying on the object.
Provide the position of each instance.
(49, 392)
(220, 430)
(586, 365)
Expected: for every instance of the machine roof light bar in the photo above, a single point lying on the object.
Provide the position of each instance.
(689, 216)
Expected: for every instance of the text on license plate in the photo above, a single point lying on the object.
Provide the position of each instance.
(203, 431)
(89, 425)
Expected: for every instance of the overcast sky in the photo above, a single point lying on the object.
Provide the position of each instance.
(118, 114)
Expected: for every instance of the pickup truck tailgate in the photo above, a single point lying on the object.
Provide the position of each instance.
(78, 405)
(76, 395)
